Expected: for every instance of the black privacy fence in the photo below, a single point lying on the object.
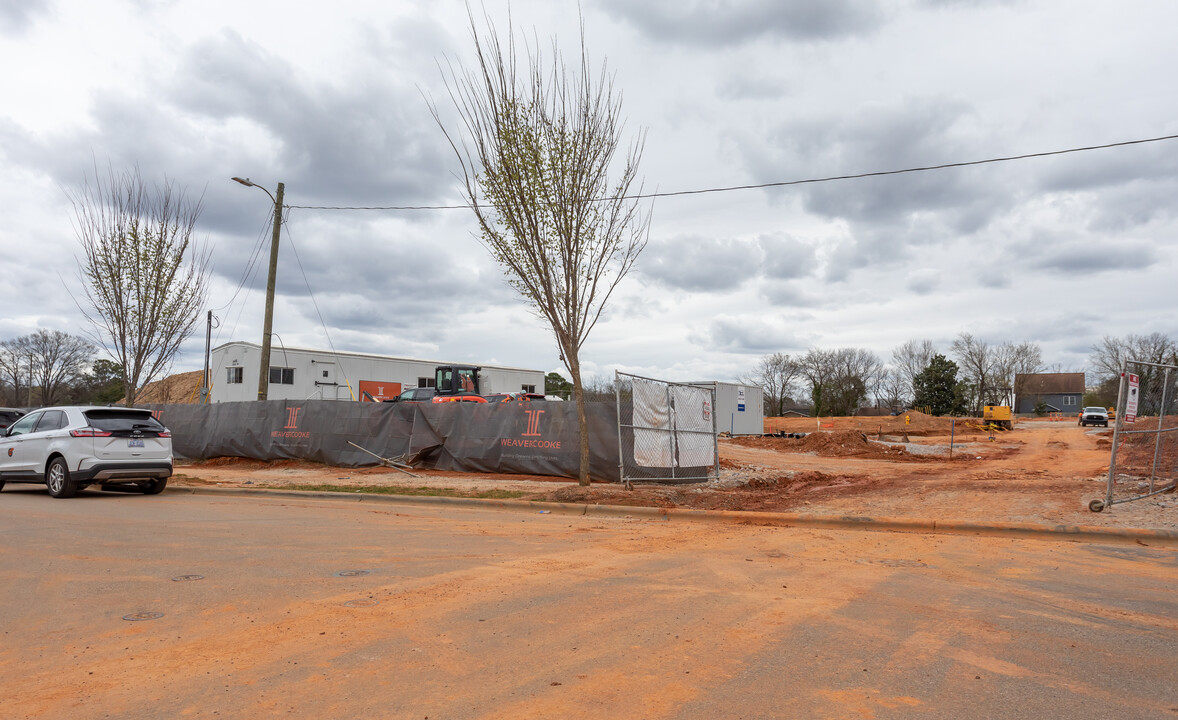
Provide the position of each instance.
(536, 438)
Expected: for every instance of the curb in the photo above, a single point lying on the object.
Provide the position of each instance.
(1088, 533)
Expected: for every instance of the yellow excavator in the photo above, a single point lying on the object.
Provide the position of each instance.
(1000, 416)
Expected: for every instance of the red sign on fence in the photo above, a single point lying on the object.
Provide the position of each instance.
(1131, 398)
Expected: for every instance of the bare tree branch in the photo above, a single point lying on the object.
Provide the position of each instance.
(145, 279)
(538, 143)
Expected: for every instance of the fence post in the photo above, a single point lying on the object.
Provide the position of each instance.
(621, 452)
(1157, 445)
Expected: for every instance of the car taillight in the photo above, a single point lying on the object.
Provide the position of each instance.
(165, 434)
(89, 432)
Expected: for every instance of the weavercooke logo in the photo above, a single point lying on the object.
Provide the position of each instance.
(291, 430)
(533, 431)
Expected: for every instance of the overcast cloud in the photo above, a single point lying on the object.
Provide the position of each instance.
(332, 101)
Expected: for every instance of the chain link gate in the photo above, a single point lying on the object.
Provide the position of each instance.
(1144, 458)
(666, 431)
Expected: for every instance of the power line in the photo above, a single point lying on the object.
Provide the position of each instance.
(786, 183)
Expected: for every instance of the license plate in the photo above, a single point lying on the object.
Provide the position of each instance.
(134, 443)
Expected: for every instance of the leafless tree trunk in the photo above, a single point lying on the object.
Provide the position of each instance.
(976, 359)
(536, 147)
(1013, 362)
(145, 278)
(910, 360)
(57, 359)
(894, 389)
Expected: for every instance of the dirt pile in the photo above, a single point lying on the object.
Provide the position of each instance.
(182, 388)
(913, 422)
(837, 443)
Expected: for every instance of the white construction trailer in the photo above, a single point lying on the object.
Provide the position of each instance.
(302, 374)
(740, 409)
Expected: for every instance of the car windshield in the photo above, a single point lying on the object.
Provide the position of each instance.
(1094, 410)
(115, 420)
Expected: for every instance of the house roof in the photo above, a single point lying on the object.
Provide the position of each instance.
(1049, 383)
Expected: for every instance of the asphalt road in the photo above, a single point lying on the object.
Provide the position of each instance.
(326, 609)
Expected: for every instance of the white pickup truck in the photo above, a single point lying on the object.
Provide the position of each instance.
(1094, 416)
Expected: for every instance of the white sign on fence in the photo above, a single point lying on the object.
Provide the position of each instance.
(1131, 398)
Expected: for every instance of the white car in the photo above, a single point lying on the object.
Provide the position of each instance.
(70, 448)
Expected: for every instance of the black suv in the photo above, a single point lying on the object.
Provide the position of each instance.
(9, 416)
(425, 394)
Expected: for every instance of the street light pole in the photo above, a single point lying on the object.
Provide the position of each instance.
(268, 323)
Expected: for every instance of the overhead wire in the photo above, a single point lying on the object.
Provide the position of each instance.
(315, 303)
(248, 274)
(784, 183)
(253, 265)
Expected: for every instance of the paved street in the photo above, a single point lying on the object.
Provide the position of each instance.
(329, 609)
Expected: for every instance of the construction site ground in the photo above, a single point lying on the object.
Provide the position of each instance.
(1042, 471)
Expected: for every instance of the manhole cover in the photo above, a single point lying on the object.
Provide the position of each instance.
(187, 578)
(362, 602)
(136, 617)
(351, 573)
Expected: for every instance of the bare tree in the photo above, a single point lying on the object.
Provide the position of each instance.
(1013, 362)
(15, 368)
(840, 380)
(910, 360)
(58, 360)
(777, 374)
(145, 278)
(536, 146)
(599, 388)
(976, 359)
(895, 390)
(1109, 355)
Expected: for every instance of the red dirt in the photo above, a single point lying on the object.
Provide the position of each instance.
(1042, 471)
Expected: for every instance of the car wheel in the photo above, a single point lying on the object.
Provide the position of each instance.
(154, 487)
(57, 478)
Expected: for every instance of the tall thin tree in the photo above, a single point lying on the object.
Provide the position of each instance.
(144, 275)
(538, 147)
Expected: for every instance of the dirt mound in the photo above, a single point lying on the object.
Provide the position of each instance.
(837, 443)
(800, 481)
(913, 423)
(182, 388)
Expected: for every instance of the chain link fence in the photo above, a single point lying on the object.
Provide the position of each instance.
(1144, 458)
(666, 431)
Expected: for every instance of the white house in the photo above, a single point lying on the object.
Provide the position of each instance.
(301, 374)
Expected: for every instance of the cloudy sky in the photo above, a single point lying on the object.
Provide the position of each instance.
(329, 99)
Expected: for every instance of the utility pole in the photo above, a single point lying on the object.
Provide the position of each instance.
(204, 380)
(268, 326)
(268, 323)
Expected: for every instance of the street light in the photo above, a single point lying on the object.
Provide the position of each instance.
(268, 325)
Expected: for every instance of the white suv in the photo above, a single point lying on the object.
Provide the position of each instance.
(70, 448)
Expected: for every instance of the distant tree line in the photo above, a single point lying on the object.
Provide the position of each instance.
(51, 367)
(970, 374)
(1108, 357)
(841, 381)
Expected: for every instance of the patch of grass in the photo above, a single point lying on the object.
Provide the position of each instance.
(403, 490)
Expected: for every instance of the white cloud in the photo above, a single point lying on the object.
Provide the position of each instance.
(735, 93)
